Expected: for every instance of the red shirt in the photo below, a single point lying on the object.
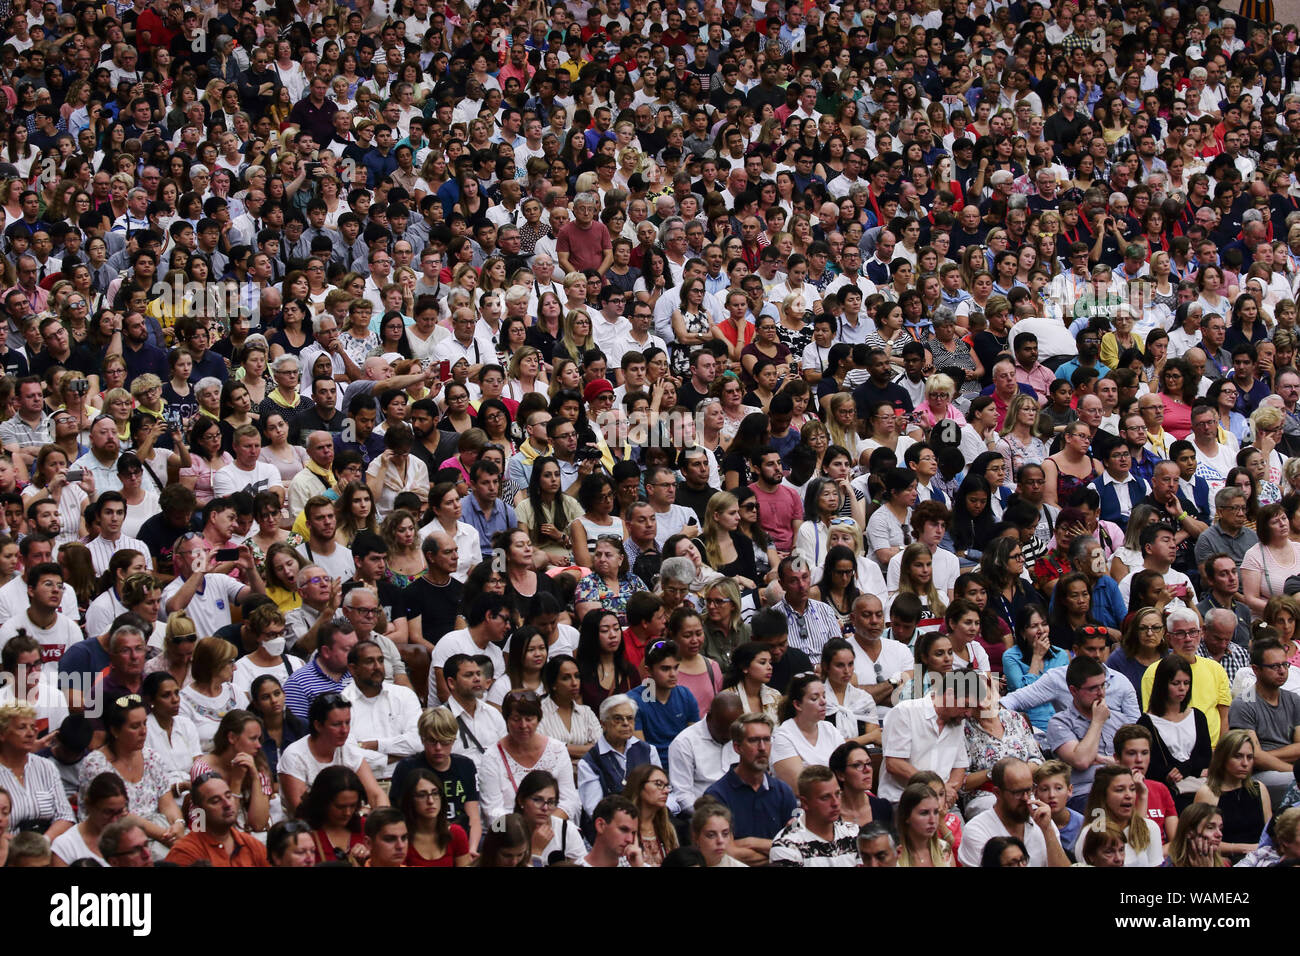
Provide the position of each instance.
(634, 650)
(1160, 805)
(458, 846)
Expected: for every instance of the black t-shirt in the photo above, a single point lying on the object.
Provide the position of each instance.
(744, 565)
(545, 585)
(988, 347)
(393, 600)
(794, 661)
(869, 392)
(687, 396)
(437, 607)
(78, 361)
(160, 535)
(734, 461)
(459, 784)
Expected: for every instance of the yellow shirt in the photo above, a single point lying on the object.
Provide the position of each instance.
(1210, 690)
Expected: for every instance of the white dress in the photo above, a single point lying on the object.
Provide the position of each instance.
(206, 712)
(789, 741)
(177, 751)
(499, 776)
(69, 846)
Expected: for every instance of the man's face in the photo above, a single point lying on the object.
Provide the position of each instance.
(1274, 670)
(127, 656)
(1164, 483)
(1014, 795)
(1184, 636)
(755, 747)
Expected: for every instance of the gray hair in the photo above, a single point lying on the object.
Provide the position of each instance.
(1225, 496)
(676, 570)
(126, 630)
(1216, 615)
(284, 362)
(203, 384)
(1184, 615)
(672, 222)
(1081, 547)
(609, 704)
(869, 834)
(110, 838)
(588, 199)
(319, 320)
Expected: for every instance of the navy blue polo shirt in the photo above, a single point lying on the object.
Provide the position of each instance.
(754, 813)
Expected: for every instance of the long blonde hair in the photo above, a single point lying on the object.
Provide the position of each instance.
(940, 851)
(719, 503)
(1018, 401)
(833, 428)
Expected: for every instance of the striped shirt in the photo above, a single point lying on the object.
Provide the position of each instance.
(39, 797)
(15, 431)
(306, 684)
(102, 551)
(810, 630)
(796, 845)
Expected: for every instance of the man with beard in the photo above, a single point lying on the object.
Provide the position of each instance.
(1015, 813)
(432, 446)
(760, 803)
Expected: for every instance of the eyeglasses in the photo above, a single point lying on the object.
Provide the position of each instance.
(715, 602)
(614, 538)
(1192, 632)
(1150, 628)
(543, 803)
(319, 579)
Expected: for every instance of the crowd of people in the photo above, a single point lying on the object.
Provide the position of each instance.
(649, 433)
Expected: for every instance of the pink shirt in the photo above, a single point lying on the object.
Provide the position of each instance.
(777, 512)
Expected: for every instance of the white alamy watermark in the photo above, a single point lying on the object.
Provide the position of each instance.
(76, 909)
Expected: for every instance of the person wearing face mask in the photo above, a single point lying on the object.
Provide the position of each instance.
(264, 631)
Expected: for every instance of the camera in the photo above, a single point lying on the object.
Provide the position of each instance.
(587, 453)
(74, 475)
(79, 386)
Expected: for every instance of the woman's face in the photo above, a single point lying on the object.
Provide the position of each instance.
(713, 839)
(760, 668)
(1078, 599)
(1121, 796)
(939, 656)
(654, 794)
(923, 822)
(130, 738)
(362, 505)
(343, 808)
(610, 634)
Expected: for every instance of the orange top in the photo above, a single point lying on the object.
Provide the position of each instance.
(201, 846)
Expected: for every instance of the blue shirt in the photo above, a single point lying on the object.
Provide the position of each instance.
(1018, 675)
(660, 723)
(306, 684)
(754, 813)
(502, 518)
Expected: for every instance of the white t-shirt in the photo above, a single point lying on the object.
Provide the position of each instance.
(54, 640)
(459, 642)
(299, 762)
(987, 825)
(789, 741)
(1172, 580)
(339, 565)
(209, 609)
(895, 658)
(246, 671)
(946, 568)
(232, 478)
(14, 600)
